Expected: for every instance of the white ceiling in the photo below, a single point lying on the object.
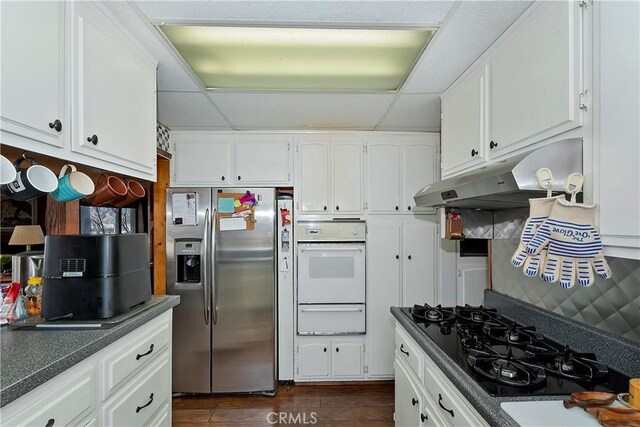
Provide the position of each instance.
(467, 29)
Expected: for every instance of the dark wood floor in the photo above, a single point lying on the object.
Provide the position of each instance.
(363, 404)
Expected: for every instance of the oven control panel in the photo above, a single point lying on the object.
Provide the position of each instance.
(331, 231)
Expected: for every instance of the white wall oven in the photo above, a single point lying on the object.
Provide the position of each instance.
(331, 277)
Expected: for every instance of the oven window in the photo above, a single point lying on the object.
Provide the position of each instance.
(331, 267)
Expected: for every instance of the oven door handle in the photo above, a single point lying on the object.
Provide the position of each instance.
(353, 249)
(332, 310)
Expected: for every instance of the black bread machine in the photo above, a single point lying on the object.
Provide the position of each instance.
(94, 276)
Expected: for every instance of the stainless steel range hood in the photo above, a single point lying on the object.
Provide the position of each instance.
(509, 184)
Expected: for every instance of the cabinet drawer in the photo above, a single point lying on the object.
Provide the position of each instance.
(450, 405)
(408, 351)
(135, 404)
(162, 418)
(70, 400)
(134, 352)
(331, 319)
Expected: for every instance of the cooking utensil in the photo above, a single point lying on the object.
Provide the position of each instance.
(589, 398)
(625, 417)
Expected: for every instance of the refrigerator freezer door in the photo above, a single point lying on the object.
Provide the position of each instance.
(244, 331)
(191, 333)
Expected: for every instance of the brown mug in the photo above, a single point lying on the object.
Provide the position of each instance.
(108, 188)
(135, 191)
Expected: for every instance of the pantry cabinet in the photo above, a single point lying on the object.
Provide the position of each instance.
(401, 271)
(33, 71)
(327, 358)
(397, 167)
(329, 175)
(113, 91)
(527, 88)
(206, 159)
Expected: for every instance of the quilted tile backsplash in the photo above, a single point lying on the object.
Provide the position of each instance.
(612, 305)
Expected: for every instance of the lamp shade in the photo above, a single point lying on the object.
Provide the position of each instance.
(27, 235)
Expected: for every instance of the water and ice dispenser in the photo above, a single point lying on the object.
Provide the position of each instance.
(188, 261)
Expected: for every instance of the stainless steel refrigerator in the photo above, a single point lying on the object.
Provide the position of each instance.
(224, 329)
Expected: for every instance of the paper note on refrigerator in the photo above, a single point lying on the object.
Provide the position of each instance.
(226, 205)
(233, 223)
(184, 208)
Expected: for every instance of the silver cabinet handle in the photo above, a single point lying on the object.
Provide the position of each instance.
(205, 265)
(331, 310)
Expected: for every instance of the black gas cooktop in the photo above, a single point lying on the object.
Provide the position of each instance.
(510, 359)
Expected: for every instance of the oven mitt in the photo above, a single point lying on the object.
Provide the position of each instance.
(574, 245)
(539, 210)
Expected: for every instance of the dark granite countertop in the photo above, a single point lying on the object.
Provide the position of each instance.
(611, 349)
(30, 358)
(487, 406)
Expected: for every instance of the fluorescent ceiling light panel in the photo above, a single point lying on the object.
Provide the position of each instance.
(314, 59)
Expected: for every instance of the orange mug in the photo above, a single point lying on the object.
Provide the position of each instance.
(135, 191)
(634, 392)
(108, 188)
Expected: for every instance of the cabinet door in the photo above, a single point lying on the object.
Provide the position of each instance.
(419, 272)
(262, 162)
(535, 78)
(114, 93)
(313, 177)
(346, 170)
(407, 398)
(201, 163)
(383, 291)
(346, 359)
(32, 75)
(383, 177)
(313, 359)
(419, 168)
(463, 118)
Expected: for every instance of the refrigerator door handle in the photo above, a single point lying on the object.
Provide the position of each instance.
(212, 279)
(205, 281)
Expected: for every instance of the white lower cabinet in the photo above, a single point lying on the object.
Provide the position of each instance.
(427, 397)
(327, 358)
(81, 395)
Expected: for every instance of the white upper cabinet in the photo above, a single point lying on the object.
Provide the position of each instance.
(313, 176)
(463, 145)
(419, 167)
(398, 165)
(617, 135)
(346, 168)
(33, 75)
(525, 89)
(262, 161)
(536, 78)
(201, 161)
(383, 177)
(114, 99)
(329, 174)
(207, 159)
